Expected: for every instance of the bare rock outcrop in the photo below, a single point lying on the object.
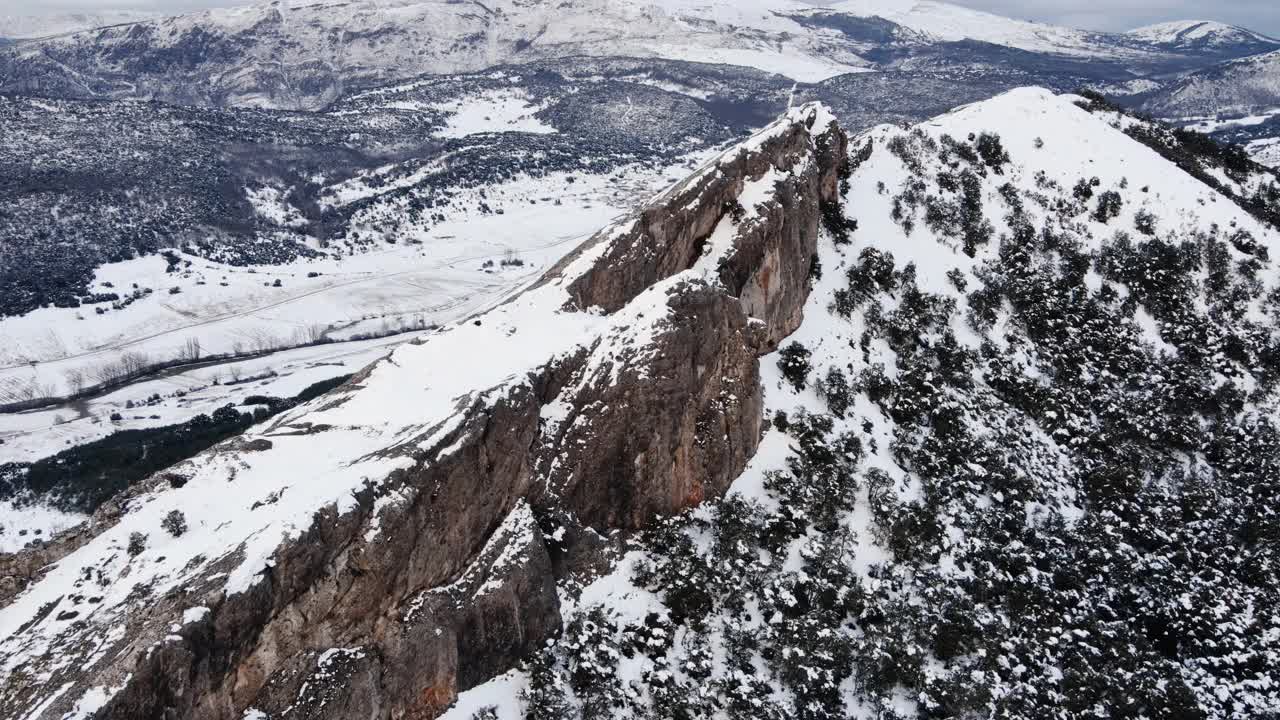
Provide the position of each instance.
(410, 564)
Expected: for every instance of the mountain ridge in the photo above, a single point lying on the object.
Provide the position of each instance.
(251, 51)
(1000, 476)
(21, 27)
(649, 313)
(1200, 33)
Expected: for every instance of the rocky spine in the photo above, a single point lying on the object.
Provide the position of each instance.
(440, 575)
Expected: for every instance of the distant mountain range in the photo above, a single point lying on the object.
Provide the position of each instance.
(311, 55)
(1204, 36)
(307, 55)
(34, 26)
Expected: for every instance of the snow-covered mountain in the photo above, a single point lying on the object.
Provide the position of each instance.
(1015, 339)
(945, 21)
(656, 321)
(1237, 101)
(1010, 444)
(35, 26)
(235, 238)
(237, 254)
(283, 229)
(1205, 36)
(1232, 88)
(1020, 457)
(306, 54)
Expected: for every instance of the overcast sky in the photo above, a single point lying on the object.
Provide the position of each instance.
(1260, 15)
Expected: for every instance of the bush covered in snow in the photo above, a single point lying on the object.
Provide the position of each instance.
(794, 361)
(175, 523)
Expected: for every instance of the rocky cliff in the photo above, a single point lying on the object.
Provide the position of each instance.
(375, 552)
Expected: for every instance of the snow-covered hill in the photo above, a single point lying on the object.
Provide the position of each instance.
(1235, 87)
(444, 436)
(1204, 35)
(1019, 454)
(373, 217)
(1021, 461)
(945, 21)
(1235, 101)
(250, 232)
(35, 26)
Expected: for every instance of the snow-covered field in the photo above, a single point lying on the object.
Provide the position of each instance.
(428, 278)
(168, 399)
(492, 112)
(795, 65)
(178, 396)
(1208, 125)
(22, 523)
(1266, 151)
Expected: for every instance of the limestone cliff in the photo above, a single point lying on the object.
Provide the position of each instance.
(373, 553)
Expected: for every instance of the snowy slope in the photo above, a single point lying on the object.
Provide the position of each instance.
(954, 22)
(35, 26)
(21, 523)
(1200, 34)
(1231, 88)
(947, 544)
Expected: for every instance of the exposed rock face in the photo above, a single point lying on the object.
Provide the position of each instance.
(659, 432)
(18, 569)
(770, 264)
(436, 576)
